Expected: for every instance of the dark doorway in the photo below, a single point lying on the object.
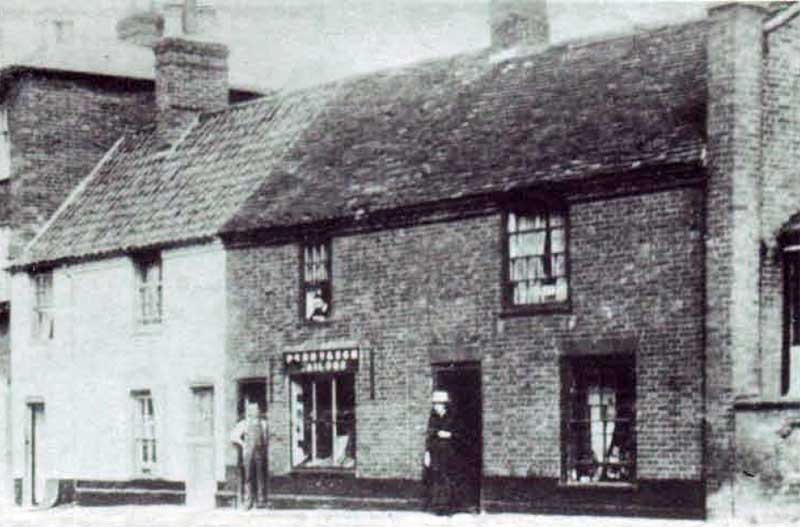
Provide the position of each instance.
(254, 391)
(463, 382)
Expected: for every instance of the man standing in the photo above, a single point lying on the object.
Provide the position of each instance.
(251, 435)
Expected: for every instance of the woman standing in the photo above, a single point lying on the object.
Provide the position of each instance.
(440, 456)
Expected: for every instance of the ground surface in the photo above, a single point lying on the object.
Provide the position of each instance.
(174, 516)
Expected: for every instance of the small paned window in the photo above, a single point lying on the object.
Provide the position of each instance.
(323, 421)
(43, 320)
(790, 359)
(144, 433)
(536, 256)
(316, 289)
(599, 427)
(5, 146)
(149, 290)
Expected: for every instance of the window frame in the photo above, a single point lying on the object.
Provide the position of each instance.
(141, 264)
(790, 284)
(327, 243)
(137, 396)
(528, 205)
(569, 365)
(47, 311)
(335, 419)
(5, 144)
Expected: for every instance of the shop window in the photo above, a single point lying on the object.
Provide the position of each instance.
(790, 360)
(536, 256)
(43, 323)
(316, 287)
(323, 421)
(149, 297)
(144, 433)
(598, 428)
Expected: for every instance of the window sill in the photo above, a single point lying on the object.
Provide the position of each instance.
(312, 471)
(787, 403)
(552, 308)
(148, 330)
(316, 323)
(599, 485)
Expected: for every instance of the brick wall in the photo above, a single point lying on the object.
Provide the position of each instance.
(781, 187)
(733, 228)
(433, 290)
(61, 126)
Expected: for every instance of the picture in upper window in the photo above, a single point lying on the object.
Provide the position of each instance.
(43, 320)
(536, 252)
(149, 289)
(316, 269)
(599, 415)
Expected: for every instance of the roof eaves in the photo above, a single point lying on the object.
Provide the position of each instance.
(781, 18)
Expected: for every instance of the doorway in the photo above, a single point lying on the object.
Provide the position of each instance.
(462, 381)
(35, 452)
(202, 484)
(252, 390)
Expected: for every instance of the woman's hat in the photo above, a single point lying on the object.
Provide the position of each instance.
(440, 396)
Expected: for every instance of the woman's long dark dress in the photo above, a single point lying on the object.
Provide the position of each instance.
(441, 475)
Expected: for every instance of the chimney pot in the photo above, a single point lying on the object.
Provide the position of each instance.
(522, 23)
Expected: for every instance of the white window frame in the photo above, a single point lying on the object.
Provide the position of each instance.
(145, 435)
(5, 145)
(149, 293)
(43, 323)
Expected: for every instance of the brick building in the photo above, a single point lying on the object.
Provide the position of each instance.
(591, 246)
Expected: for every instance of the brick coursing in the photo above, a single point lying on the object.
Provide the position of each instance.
(60, 128)
(434, 290)
(732, 223)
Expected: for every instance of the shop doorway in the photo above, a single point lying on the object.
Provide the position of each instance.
(463, 383)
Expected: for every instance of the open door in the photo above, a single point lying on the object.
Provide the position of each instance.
(202, 484)
(35, 452)
(463, 382)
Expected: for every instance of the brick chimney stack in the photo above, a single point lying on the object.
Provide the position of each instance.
(519, 23)
(191, 77)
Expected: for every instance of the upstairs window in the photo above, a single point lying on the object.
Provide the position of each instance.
(599, 427)
(536, 256)
(316, 281)
(790, 359)
(149, 290)
(5, 146)
(43, 323)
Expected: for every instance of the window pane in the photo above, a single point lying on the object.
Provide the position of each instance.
(600, 444)
(323, 421)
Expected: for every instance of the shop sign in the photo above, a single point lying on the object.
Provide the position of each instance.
(321, 361)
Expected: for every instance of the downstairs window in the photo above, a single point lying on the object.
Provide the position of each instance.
(598, 424)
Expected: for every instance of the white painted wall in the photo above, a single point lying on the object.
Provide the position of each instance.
(85, 375)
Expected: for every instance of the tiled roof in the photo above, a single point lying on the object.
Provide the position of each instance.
(444, 129)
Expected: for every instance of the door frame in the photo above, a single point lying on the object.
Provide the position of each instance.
(34, 406)
(473, 367)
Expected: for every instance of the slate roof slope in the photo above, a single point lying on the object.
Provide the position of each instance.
(470, 125)
(437, 130)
